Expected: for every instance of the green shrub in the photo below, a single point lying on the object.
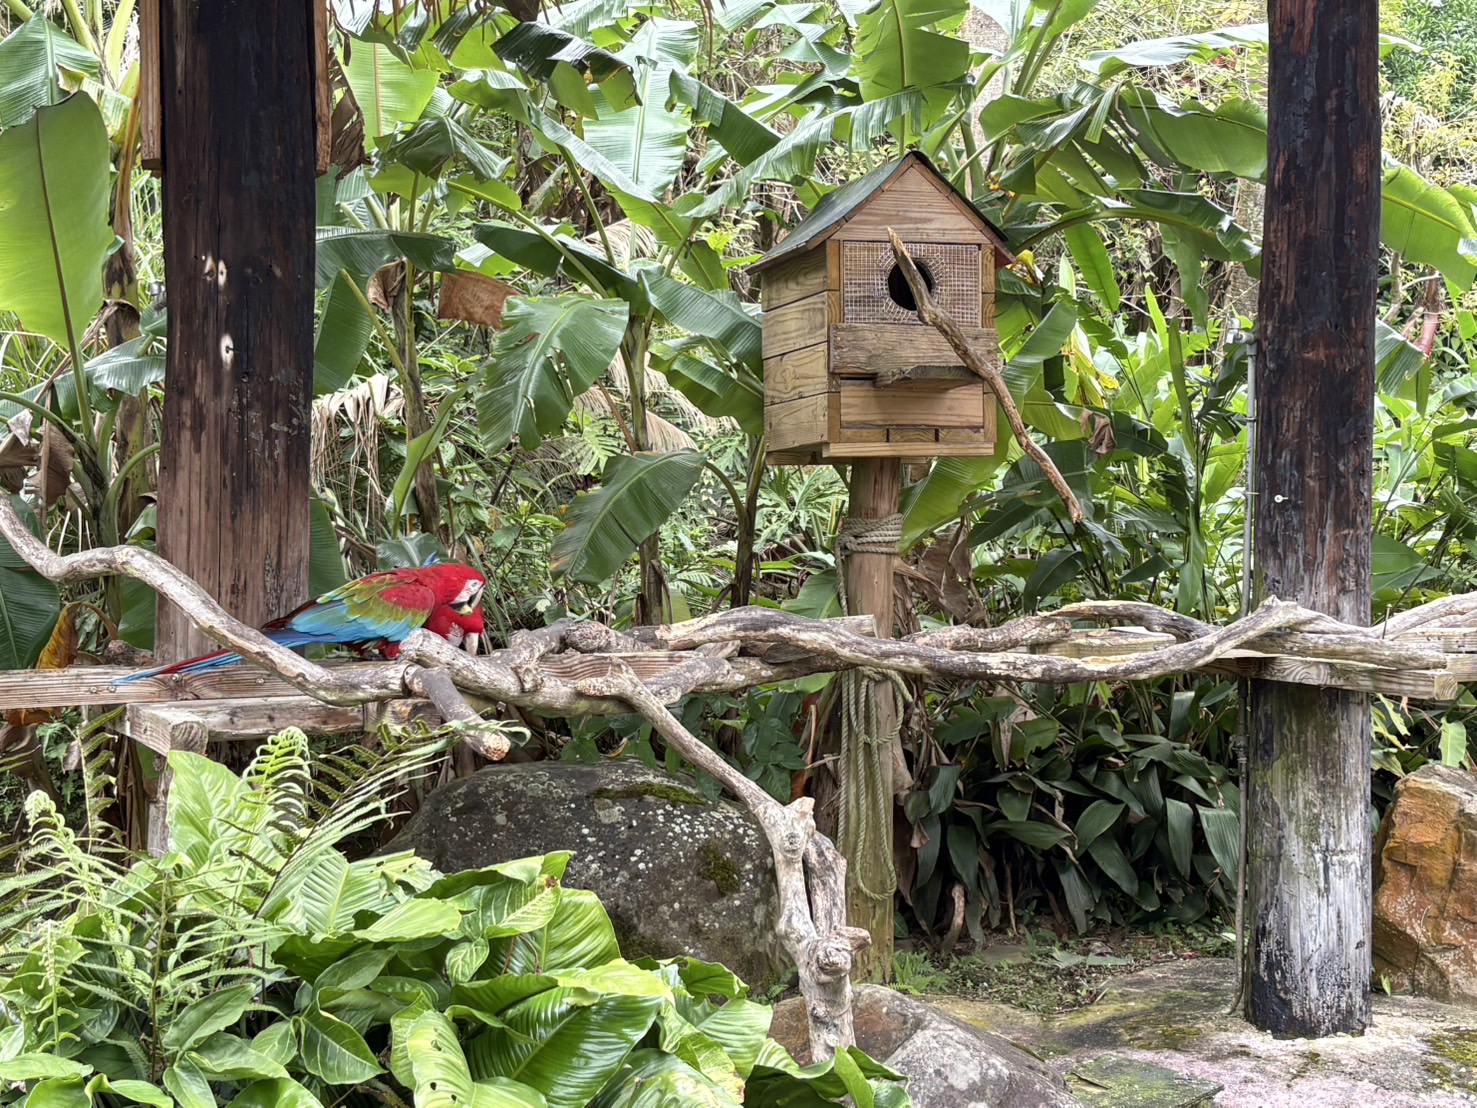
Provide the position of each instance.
(255, 965)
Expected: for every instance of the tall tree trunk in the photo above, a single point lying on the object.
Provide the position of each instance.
(238, 152)
(1308, 850)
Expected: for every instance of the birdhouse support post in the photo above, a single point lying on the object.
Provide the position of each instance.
(869, 752)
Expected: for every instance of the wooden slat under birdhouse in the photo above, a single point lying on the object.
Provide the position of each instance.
(873, 349)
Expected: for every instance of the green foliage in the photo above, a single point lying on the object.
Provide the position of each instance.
(254, 964)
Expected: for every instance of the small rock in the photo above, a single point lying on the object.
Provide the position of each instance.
(678, 874)
(948, 1063)
(1425, 900)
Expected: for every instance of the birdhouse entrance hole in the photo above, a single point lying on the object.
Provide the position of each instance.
(898, 290)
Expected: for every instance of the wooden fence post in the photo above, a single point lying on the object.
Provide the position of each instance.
(1308, 758)
(238, 147)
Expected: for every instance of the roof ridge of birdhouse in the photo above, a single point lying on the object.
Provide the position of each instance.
(838, 206)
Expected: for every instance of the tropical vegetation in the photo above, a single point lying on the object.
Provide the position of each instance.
(538, 349)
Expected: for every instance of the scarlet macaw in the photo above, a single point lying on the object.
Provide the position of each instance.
(382, 607)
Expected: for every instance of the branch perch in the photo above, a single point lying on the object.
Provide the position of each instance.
(571, 669)
(929, 312)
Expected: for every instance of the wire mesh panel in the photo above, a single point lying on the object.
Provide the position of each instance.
(873, 289)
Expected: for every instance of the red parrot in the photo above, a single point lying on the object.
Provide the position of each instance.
(383, 607)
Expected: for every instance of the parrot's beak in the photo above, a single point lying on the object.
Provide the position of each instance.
(465, 609)
(471, 642)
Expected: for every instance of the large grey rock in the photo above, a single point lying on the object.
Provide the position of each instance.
(677, 873)
(948, 1063)
(1425, 893)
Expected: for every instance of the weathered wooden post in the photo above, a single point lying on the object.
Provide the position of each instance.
(1308, 848)
(237, 105)
(850, 374)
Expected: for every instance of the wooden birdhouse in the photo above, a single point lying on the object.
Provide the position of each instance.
(849, 371)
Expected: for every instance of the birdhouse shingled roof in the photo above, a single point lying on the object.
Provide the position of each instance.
(839, 205)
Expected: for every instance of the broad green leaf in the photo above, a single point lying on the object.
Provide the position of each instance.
(897, 47)
(207, 1015)
(54, 231)
(739, 1027)
(188, 1085)
(936, 500)
(228, 1057)
(1180, 825)
(538, 49)
(719, 393)
(1229, 138)
(282, 1093)
(325, 563)
(440, 1075)
(126, 369)
(360, 253)
(136, 1092)
(558, 255)
(388, 91)
(412, 920)
(647, 142)
(1110, 858)
(1425, 224)
(492, 995)
(550, 350)
(563, 1045)
(636, 496)
(742, 136)
(655, 1079)
(1453, 742)
(31, 60)
(1172, 51)
(59, 1092)
(333, 1050)
(641, 204)
(432, 143)
(1394, 565)
(1395, 358)
(33, 1067)
(203, 792)
(579, 935)
(1222, 830)
(29, 604)
(1096, 819)
(1040, 835)
(1091, 256)
(344, 327)
(718, 316)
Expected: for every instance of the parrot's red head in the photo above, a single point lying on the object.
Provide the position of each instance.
(458, 587)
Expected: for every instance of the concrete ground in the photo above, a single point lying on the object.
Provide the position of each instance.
(1418, 1053)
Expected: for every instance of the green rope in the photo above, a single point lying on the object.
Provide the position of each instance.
(864, 830)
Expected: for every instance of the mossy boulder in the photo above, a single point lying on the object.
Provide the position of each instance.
(679, 874)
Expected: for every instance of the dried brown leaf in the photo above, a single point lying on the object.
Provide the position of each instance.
(473, 298)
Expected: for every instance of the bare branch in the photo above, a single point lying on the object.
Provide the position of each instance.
(929, 312)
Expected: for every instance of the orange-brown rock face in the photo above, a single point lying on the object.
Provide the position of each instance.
(1425, 898)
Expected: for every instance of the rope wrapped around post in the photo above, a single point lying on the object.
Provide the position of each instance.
(864, 828)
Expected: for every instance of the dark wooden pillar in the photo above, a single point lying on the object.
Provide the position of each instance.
(239, 155)
(1308, 848)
